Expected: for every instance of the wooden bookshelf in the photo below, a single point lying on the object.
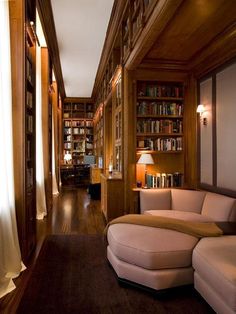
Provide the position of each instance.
(136, 15)
(117, 120)
(159, 131)
(78, 130)
(29, 226)
(98, 136)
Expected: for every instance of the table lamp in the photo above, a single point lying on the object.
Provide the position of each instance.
(146, 159)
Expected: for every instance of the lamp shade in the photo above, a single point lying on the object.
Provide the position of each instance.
(146, 159)
(200, 108)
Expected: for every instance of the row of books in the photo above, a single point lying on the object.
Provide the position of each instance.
(67, 124)
(159, 108)
(89, 115)
(28, 51)
(88, 124)
(29, 71)
(29, 123)
(29, 99)
(67, 138)
(77, 115)
(78, 131)
(164, 180)
(159, 90)
(29, 150)
(161, 144)
(89, 146)
(67, 130)
(30, 177)
(159, 126)
(67, 146)
(79, 106)
(81, 123)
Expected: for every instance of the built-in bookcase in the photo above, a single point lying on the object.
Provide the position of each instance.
(78, 130)
(117, 116)
(159, 130)
(98, 136)
(29, 234)
(135, 17)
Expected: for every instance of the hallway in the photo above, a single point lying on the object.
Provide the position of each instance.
(74, 212)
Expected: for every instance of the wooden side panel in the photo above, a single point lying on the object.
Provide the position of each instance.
(56, 128)
(190, 127)
(112, 204)
(46, 114)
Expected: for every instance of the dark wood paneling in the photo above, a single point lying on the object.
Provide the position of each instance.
(194, 25)
(17, 67)
(215, 53)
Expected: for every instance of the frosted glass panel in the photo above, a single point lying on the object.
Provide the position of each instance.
(226, 127)
(206, 169)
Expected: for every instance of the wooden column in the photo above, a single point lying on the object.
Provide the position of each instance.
(46, 124)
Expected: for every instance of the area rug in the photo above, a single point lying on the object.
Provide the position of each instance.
(72, 275)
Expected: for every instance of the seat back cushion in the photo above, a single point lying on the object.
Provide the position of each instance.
(187, 200)
(219, 207)
(154, 199)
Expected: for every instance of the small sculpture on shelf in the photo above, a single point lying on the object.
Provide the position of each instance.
(67, 158)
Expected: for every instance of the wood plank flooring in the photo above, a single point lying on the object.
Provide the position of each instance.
(73, 212)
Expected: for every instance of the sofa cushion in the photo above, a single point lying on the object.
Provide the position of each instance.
(155, 278)
(214, 260)
(155, 199)
(219, 207)
(151, 248)
(179, 214)
(187, 200)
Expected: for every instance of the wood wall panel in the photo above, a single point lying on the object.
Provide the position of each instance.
(206, 136)
(190, 133)
(17, 59)
(226, 127)
(55, 103)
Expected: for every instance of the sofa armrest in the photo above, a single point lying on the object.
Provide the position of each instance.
(219, 207)
(155, 199)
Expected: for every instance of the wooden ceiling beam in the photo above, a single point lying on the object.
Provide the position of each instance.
(46, 16)
(215, 53)
(78, 99)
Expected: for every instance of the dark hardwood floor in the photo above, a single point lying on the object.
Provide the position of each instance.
(73, 212)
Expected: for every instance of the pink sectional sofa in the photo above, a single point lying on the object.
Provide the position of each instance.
(161, 258)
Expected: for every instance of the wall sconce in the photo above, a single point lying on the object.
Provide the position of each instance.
(146, 159)
(68, 158)
(201, 110)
